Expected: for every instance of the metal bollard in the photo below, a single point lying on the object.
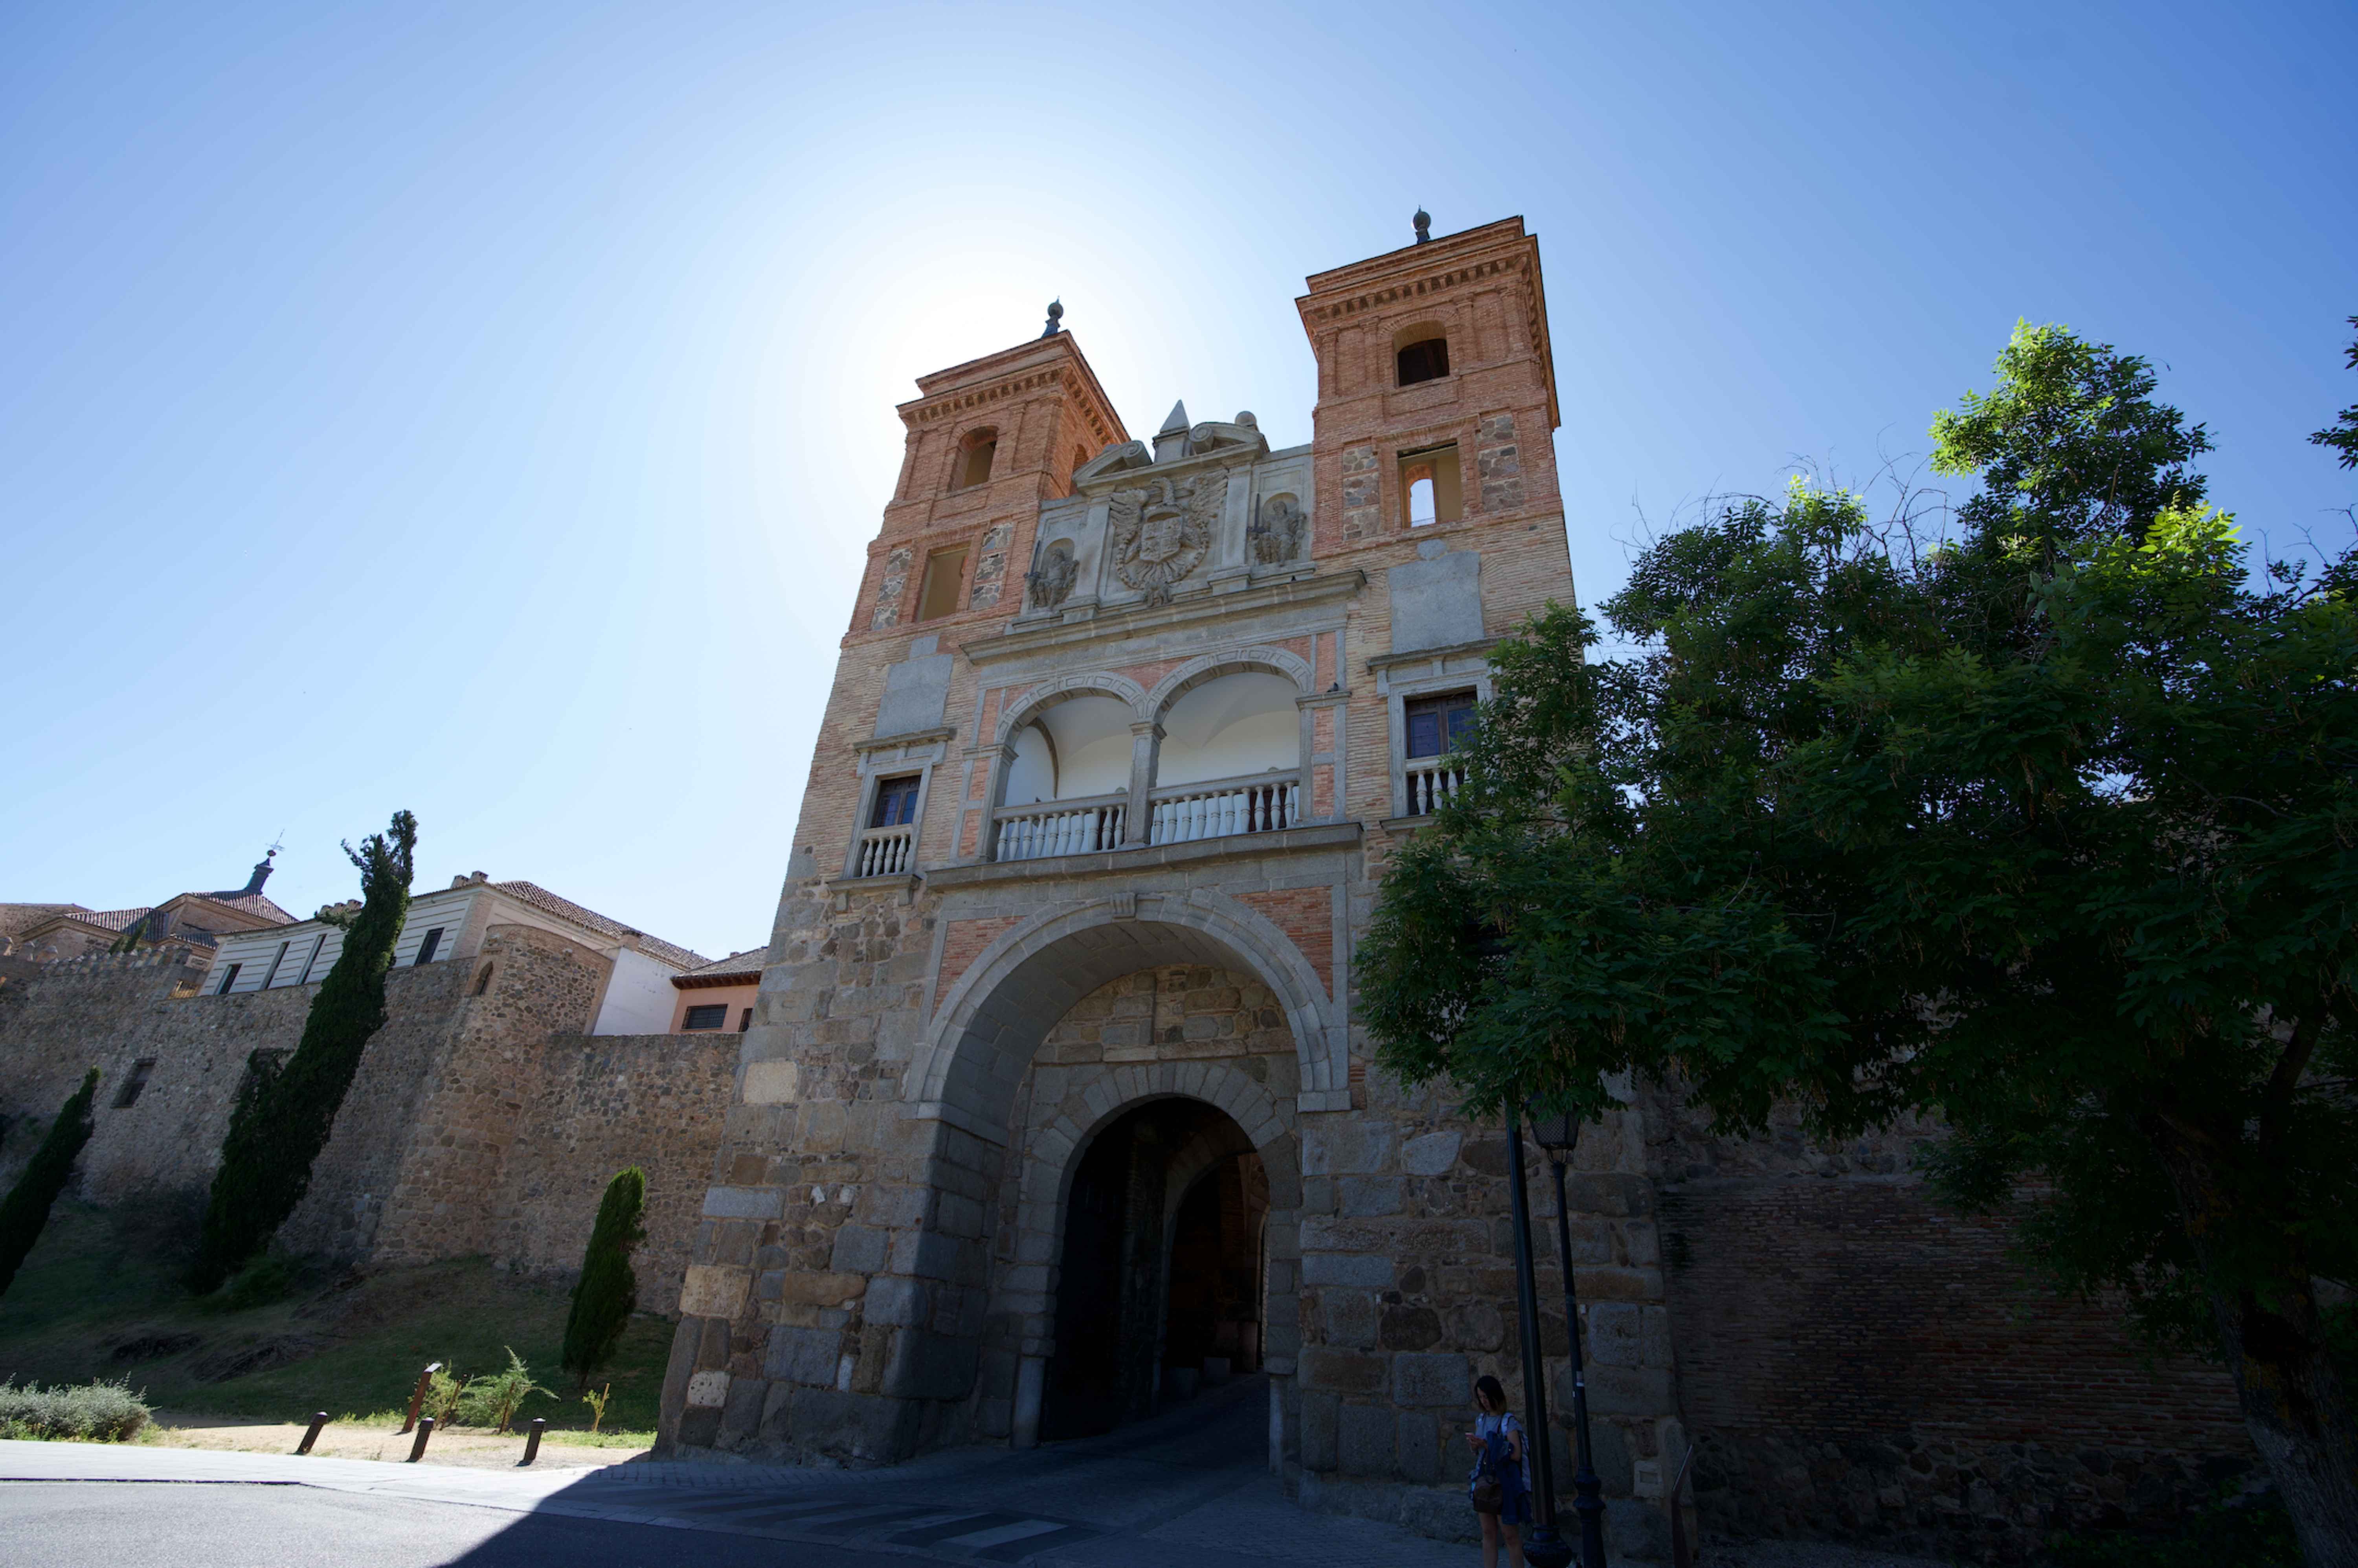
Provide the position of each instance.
(531, 1441)
(312, 1436)
(425, 1431)
(417, 1395)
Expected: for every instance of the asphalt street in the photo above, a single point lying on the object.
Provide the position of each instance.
(1188, 1490)
(101, 1524)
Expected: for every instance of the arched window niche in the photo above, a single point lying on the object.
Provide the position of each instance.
(1066, 789)
(1230, 760)
(977, 450)
(1419, 353)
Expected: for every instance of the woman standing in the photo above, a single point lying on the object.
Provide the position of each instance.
(1502, 1500)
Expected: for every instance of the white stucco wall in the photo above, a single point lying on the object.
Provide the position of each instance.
(638, 998)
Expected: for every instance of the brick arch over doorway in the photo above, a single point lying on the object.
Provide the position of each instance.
(1049, 1147)
(986, 1028)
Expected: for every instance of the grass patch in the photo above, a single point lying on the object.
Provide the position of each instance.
(99, 1298)
(86, 1413)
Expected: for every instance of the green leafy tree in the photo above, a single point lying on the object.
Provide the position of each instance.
(25, 1212)
(2049, 829)
(608, 1291)
(2341, 436)
(277, 1129)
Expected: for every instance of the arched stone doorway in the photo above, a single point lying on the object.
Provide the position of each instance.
(1160, 1277)
(1015, 1114)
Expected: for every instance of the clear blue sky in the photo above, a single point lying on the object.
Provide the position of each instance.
(483, 408)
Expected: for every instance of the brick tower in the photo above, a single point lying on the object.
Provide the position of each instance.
(1055, 1101)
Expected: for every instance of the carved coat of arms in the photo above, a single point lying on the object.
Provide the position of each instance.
(1162, 533)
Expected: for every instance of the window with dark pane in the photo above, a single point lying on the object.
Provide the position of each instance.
(713, 1017)
(1437, 725)
(896, 802)
(428, 948)
(1427, 361)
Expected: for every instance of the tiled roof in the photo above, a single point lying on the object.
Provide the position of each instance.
(547, 902)
(252, 903)
(113, 919)
(16, 917)
(749, 963)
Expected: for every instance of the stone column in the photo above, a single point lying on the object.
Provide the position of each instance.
(1145, 752)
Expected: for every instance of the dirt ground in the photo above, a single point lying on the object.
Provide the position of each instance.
(473, 1447)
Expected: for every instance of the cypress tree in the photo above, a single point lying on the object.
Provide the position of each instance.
(26, 1209)
(607, 1293)
(277, 1132)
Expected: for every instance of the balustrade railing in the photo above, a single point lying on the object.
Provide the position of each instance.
(1059, 828)
(1431, 781)
(884, 852)
(1189, 812)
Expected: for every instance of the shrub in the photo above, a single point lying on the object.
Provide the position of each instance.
(86, 1413)
(444, 1388)
(607, 1293)
(491, 1399)
(278, 1131)
(26, 1210)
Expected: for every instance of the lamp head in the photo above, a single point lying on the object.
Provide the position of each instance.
(1557, 1131)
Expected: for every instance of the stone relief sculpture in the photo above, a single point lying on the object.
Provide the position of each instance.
(1160, 533)
(1279, 533)
(1052, 580)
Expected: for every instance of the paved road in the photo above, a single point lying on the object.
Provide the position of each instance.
(1190, 1489)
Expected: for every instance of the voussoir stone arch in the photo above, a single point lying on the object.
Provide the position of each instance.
(1049, 1146)
(1087, 683)
(1195, 672)
(984, 1034)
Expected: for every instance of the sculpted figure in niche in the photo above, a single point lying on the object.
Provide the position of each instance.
(1279, 533)
(1162, 533)
(1051, 579)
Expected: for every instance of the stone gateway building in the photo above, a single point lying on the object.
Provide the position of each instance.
(1053, 1098)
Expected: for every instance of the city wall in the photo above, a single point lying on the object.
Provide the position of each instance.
(477, 1125)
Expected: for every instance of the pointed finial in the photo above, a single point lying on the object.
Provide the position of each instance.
(1424, 222)
(1177, 419)
(1055, 314)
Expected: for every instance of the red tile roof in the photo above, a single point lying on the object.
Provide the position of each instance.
(547, 902)
(738, 968)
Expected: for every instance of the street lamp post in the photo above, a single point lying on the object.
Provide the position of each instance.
(1544, 1547)
(1559, 1134)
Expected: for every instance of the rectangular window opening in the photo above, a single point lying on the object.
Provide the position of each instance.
(1430, 490)
(128, 1095)
(1437, 726)
(426, 949)
(713, 1017)
(896, 801)
(745, 1020)
(271, 978)
(229, 978)
(945, 575)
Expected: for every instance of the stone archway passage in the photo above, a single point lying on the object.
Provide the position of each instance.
(1160, 1269)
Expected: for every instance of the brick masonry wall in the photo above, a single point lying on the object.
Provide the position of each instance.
(1855, 1362)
